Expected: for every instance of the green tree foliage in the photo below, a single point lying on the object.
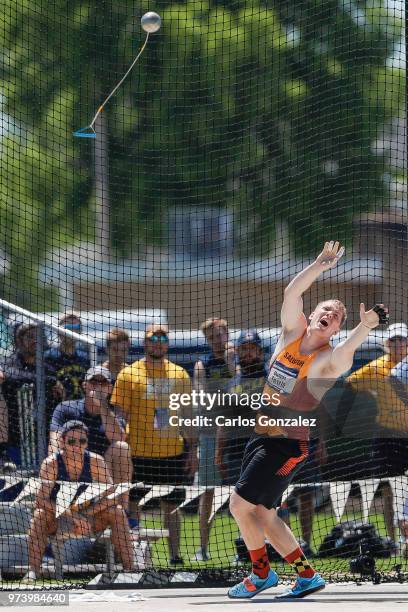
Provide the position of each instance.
(268, 108)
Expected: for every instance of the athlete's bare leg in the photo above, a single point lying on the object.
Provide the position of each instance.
(248, 522)
(276, 531)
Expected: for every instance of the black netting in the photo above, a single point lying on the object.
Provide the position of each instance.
(159, 220)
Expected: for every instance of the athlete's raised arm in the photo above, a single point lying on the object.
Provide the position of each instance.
(341, 358)
(292, 308)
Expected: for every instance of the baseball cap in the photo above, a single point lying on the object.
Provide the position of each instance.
(98, 371)
(397, 330)
(155, 329)
(249, 336)
(73, 424)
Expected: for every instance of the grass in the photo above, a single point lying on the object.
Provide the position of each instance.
(225, 530)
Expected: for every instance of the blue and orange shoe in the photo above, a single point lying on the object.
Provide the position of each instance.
(252, 585)
(304, 587)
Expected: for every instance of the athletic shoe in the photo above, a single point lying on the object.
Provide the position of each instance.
(303, 587)
(201, 555)
(29, 578)
(252, 585)
(177, 560)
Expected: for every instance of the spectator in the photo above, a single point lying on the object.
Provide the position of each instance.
(107, 433)
(211, 375)
(117, 346)
(74, 463)
(69, 361)
(162, 453)
(249, 380)
(6, 466)
(392, 416)
(19, 369)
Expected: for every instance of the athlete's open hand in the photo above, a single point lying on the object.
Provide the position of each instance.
(328, 258)
(375, 316)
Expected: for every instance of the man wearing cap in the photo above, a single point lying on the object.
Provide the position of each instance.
(107, 431)
(392, 416)
(162, 452)
(248, 382)
(73, 462)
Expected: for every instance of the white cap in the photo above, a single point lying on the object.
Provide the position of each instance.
(98, 371)
(397, 330)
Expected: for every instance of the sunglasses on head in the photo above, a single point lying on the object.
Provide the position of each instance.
(159, 338)
(77, 441)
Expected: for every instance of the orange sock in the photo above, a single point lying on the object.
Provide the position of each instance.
(300, 564)
(260, 562)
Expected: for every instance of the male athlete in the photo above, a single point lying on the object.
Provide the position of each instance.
(303, 367)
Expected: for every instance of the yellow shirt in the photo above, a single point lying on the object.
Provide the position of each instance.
(392, 413)
(142, 391)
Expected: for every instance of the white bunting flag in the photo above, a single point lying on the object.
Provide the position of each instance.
(339, 492)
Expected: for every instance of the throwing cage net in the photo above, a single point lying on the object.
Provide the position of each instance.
(246, 135)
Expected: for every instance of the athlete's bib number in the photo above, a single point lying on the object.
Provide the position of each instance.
(161, 418)
(282, 378)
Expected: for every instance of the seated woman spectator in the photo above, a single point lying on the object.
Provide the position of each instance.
(107, 435)
(74, 463)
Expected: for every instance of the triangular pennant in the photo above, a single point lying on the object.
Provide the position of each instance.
(286, 493)
(367, 489)
(94, 489)
(399, 486)
(191, 493)
(339, 492)
(9, 482)
(32, 487)
(156, 491)
(221, 494)
(65, 495)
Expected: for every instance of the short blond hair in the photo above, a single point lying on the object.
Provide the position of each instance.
(116, 335)
(211, 322)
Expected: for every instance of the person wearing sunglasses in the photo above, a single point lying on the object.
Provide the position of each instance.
(163, 453)
(69, 360)
(73, 462)
(107, 430)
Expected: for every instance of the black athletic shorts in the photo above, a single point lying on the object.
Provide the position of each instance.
(268, 467)
(164, 470)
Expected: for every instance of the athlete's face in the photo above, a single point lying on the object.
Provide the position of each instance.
(326, 319)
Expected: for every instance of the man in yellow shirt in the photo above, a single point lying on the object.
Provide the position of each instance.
(392, 413)
(162, 451)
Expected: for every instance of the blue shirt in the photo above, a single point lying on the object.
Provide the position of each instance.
(74, 410)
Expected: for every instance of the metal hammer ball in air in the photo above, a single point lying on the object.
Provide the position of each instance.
(151, 22)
